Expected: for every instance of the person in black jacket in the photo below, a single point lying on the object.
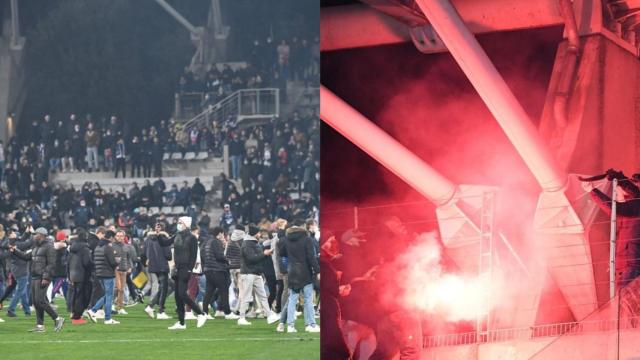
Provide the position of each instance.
(216, 269)
(251, 281)
(157, 247)
(233, 253)
(303, 268)
(185, 252)
(105, 265)
(135, 149)
(43, 259)
(79, 273)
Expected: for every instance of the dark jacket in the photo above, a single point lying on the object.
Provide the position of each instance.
(62, 257)
(20, 267)
(185, 250)
(303, 262)
(252, 255)
(105, 260)
(158, 252)
(80, 262)
(212, 255)
(43, 259)
(234, 254)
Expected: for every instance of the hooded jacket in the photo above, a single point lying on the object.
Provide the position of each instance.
(62, 257)
(303, 262)
(158, 252)
(20, 267)
(252, 255)
(80, 262)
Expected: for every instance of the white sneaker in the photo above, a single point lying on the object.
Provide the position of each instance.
(99, 314)
(1, 321)
(32, 309)
(231, 316)
(163, 316)
(149, 311)
(111, 322)
(113, 308)
(312, 329)
(189, 316)
(122, 312)
(219, 313)
(291, 329)
(201, 320)
(92, 316)
(177, 326)
(209, 317)
(280, 327)
(273, 318)
(243, 321)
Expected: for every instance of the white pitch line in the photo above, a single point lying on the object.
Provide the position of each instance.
(151, 340)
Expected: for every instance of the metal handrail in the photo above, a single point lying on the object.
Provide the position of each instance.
(234, 99)
(527, 333)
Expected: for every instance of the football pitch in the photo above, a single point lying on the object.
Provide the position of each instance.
(140, 337)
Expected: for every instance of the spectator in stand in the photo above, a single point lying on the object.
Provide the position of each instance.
(25, 175)
(172, 196)
(147, 156)
(157, 154)
(82, 214)
(184, 195)
(227, 219)
(55, 153)
(236, 152)
(92, 140)
(2, 161)
(182, 139)
(67, 157)
(198, 194)
(136, 151)
(78, 148)
(120, 158)
(108, 144)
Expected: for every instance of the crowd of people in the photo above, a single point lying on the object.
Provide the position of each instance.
(237, 274)
(270, 64)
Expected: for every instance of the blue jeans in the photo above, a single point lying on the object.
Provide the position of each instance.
(21, 293)
(107, 299)
(236, 160)
(54, 164)
(307, 293)
(202, 286)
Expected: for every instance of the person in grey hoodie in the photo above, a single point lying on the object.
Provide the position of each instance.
(43, 261)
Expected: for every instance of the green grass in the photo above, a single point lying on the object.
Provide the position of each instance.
(140, 337)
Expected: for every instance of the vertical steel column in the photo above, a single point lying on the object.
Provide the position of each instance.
(355, 217)
(612, 239)
(494, 92)
(15, 23)
(483, 324)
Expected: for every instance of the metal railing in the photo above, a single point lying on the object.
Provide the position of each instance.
(245, 103)
(533, 332)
